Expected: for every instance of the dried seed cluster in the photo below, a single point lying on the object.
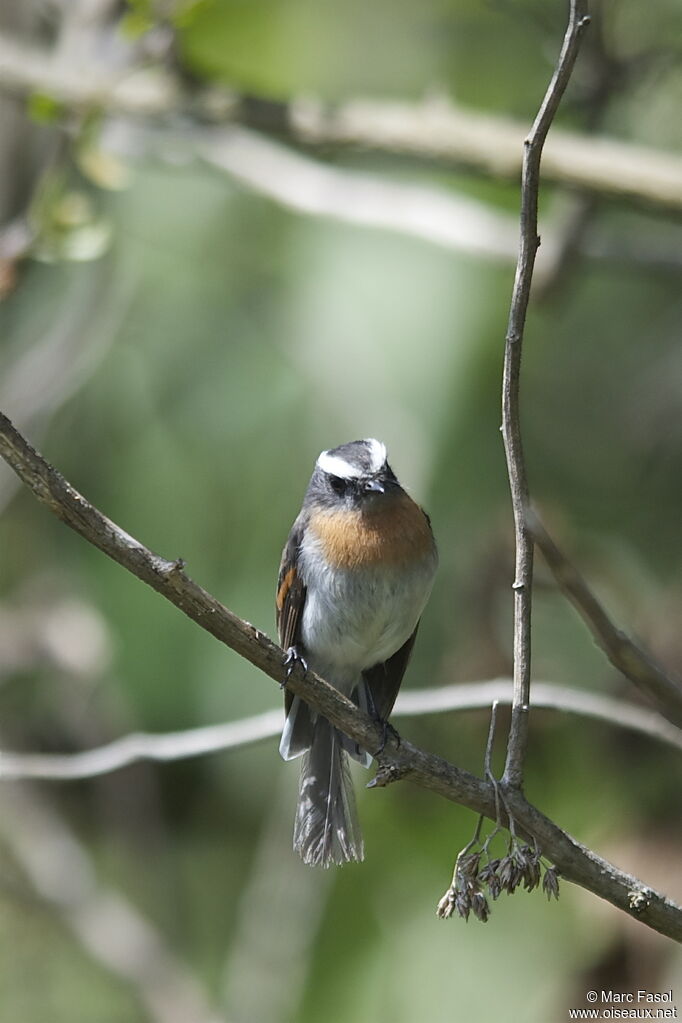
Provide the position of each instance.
(521, 867)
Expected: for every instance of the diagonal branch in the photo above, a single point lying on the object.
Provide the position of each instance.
(625, 655)
(511, 423)
(576, 863)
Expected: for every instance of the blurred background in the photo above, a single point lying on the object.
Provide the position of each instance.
(199, 296)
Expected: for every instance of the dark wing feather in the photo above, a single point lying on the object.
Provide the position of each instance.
(383, 680)
(291, 593)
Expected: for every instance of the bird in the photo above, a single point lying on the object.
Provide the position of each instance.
(355, 575)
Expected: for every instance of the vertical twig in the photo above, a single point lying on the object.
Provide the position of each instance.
(511, 428)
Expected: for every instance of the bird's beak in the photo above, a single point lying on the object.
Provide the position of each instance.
(374, 487)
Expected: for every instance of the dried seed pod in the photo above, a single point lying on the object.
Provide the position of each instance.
(468, 865)
(480, 907)
(550, 883)
(462, 905)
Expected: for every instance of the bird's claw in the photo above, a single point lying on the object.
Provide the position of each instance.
(292, 658)
(386, 729)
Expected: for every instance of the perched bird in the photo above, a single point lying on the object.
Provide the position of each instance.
(355, 575)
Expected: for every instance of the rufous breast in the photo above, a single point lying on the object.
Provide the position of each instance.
(393, 531)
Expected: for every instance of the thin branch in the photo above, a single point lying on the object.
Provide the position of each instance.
(321, 189)
(439, 131)
(27, 69)
(297, 181)
(576, 863)
(196, 742)
(546, 696)
(605, 75)
(511, 423)
(434, 131)
(490, 744)
(636, 664)
(130, 749)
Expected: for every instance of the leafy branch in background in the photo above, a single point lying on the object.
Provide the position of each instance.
(236, 132)
(434, 132)
(503, 803)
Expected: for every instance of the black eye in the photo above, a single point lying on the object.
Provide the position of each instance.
(338, 485)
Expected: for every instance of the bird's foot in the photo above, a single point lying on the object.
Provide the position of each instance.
(386, 730)
(292, 658)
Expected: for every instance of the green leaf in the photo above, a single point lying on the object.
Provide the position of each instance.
(43, 108)
(186, 13)
(135, 24)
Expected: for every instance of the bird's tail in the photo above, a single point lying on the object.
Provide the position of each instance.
(326, 829)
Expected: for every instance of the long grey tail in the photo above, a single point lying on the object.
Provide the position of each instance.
(326, 829)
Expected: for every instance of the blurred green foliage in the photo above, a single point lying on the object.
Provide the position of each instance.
(234, 340)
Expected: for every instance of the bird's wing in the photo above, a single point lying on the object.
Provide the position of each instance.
(383, 680)
(291, 594)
